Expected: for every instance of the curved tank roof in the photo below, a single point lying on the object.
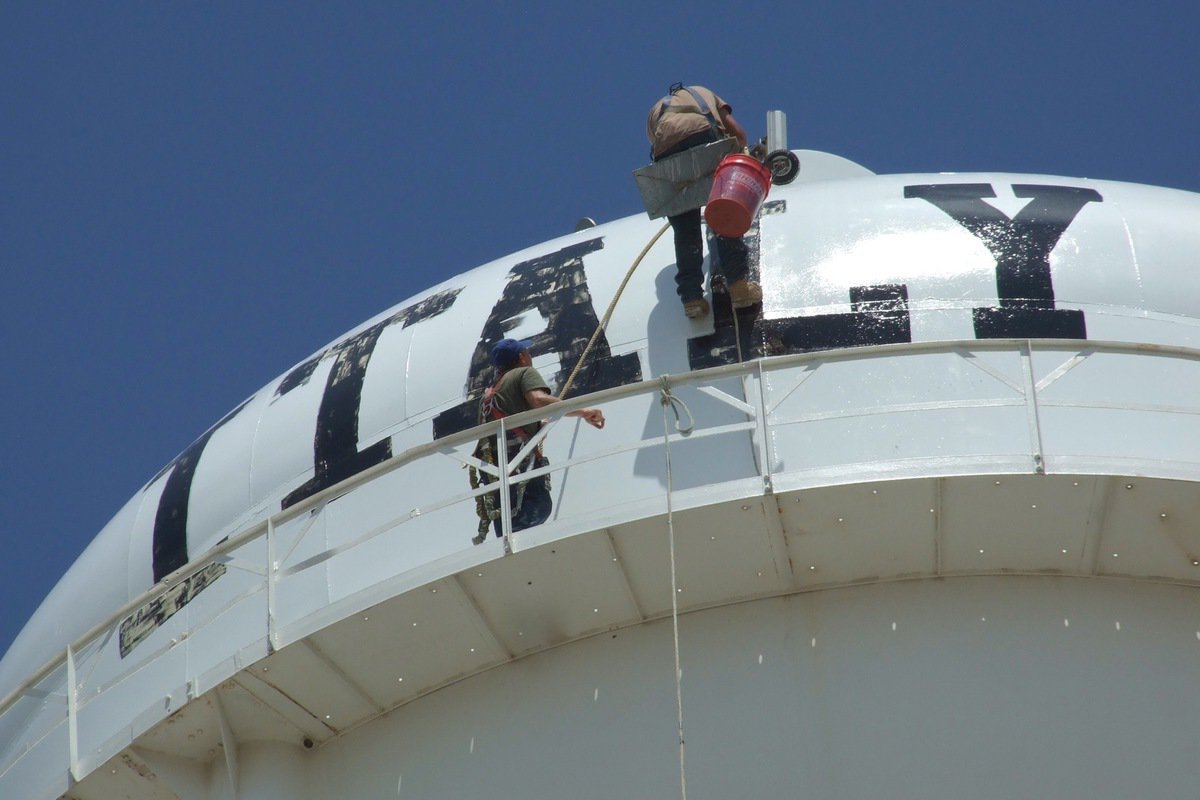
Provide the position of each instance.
(849, 262)
(845, 258)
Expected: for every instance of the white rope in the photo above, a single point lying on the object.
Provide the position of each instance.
(608, 314)
(675, 404)
(737, 329)
(669, 400)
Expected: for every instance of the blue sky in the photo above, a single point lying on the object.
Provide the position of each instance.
(196, 196)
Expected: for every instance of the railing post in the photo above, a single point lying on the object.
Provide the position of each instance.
(272, 570)
(762, 432)
(1029, 383)
(1031, 408)
(505, 499)
(72, 717)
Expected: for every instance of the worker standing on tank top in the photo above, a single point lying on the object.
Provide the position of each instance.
(691, 116)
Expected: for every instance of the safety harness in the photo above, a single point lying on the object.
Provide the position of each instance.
(668, 107)
(487, 506)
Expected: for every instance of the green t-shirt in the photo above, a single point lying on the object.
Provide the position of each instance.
(510, 391)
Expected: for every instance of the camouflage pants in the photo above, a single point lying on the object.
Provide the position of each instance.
(529, 499)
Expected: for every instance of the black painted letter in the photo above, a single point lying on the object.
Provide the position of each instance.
(1021, 247)
(169, 551)
(554, 285)
(335, 447)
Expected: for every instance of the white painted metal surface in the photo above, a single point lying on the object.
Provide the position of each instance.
(936, 533)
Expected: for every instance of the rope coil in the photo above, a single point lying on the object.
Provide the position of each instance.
(667, 399)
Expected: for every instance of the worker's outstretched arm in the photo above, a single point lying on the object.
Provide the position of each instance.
(732, 126)
(539, 398)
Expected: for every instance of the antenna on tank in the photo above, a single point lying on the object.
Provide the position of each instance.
(783, 163)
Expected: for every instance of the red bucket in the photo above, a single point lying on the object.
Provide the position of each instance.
(740, 186)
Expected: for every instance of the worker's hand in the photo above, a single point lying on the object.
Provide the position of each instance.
(593, 417)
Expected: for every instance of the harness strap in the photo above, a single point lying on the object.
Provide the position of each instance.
(492, 410)
(667, 107)
(704, 109)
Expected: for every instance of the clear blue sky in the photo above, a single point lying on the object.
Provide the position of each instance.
(196, 196)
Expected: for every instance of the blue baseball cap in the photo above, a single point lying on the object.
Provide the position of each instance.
(506, 351)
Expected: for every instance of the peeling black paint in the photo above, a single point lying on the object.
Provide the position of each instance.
(555, 286)
(721, 346)
(878, 315)
(298, 376)
(1021, 246)
(410, 315)
(428, 308)
(139, 625)
(335, 446)
(336, 454)
(169, 551)
(773, 207)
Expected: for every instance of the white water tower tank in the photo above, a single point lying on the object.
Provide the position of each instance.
(932, 531)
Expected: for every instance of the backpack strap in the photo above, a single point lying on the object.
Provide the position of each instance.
(704, 109)
(489, 409)
(700, 102)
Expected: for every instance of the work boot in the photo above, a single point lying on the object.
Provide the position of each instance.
(744, 293)
(695, 308)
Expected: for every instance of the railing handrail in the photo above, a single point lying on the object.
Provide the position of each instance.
(649, 386)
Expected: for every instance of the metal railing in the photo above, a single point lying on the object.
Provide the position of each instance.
(56, 683)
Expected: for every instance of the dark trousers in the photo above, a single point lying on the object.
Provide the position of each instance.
(689, 255)
(536, 505)
(731, 254)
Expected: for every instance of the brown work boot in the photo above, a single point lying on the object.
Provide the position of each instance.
(744, 293)
(695, 309)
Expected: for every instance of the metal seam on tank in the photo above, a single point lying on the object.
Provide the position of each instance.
(254, 450)
(400, 419)
(1133, 256)
(129, 537)
(1116, 200)
(1141, 313)
(403, 393)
